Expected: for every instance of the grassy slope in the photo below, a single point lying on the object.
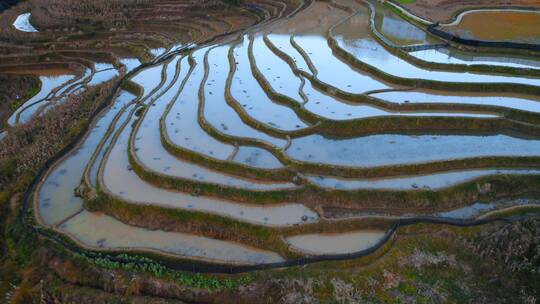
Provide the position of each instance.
(15, 90)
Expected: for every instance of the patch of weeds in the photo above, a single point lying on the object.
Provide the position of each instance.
(149, 266)
(406, 1)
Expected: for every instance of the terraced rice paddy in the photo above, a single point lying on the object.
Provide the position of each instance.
(56, 86)
(50, 87)
(334, 244)
(237, 151)
(497, 25)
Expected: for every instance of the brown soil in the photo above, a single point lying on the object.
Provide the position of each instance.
(444, 10)
(497, 26)
(10, 73)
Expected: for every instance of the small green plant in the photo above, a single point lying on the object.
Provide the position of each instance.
(405, 1)
(146, 265)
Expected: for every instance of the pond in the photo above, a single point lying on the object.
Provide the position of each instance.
(22, 23)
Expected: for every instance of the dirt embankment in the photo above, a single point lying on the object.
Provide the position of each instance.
(443, 10)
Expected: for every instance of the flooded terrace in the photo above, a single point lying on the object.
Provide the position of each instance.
(232, 152)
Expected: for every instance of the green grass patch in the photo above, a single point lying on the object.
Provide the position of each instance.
(149, 266)
(28, 94)
(405, 1)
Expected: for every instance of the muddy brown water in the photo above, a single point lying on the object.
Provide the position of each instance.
(497, 25)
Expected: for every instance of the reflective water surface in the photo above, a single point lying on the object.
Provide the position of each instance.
(335, 243)
(265, 101)
(22, 23)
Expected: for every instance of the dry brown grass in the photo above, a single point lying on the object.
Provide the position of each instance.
(516, 245)
(78, 13)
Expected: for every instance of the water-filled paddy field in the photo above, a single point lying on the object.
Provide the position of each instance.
(497, 25)
(232, 152)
